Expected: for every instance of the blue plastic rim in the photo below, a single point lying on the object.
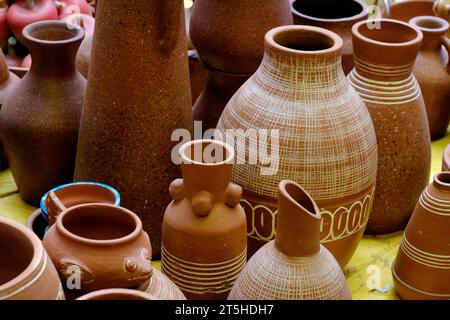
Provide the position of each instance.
(114, 191)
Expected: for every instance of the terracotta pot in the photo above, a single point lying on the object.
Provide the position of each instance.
(331, 150)
(198, 75)
(385, 59)
(117, 294)
(37, 223)
(27, 273)
(84, 56)
(40, 135)
(446, 159)
(58, 199)
(432, 72)
(103, 244)
(406, 10)
(204, 230)
(422, 267)
(294, 266)
(138, 94)
(337, 16)
(162, 287)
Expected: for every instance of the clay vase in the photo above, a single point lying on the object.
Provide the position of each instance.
(432, 72)
(40, 135)
(231, 49)
(337, 16)
(446, 159)
(204, 231)
(104, 245)
(162, 287)
(117, 294)
(294, 266)
(26, 271)
(422, 267)
(138, 94)
(319, 134)
(83, 58)
(406, 10)
(385, 58)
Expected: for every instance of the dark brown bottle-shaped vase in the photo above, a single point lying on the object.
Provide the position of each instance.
(40, 118)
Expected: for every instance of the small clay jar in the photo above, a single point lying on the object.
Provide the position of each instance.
(446, 159)
(204, 244)
(337, 16)
(105, 245)
(294, 266)
(117, 294)
(26, 271)
(432, 72)
(422, 267)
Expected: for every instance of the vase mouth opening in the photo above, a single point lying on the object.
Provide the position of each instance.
(53, 32)
(298, 196)
(99, 224)
(429, 24)
(206, 152)
(330, 10)
(442, 179)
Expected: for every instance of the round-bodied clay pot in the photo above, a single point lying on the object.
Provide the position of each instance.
(204, 241)
(432, 72)
(83, 58)
(318, 133)
(422, 267)
(58, 199)
(337, 16)
(117, 294)
(385, 58)
(27, 273)
(37, 223)
(162, 287)
(446, 159)
(101, 244)
(40, 135)
(406, 10)
(294, 266)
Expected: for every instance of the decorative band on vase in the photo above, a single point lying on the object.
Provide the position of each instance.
(432, 204)
(424, 258)
(384, 70)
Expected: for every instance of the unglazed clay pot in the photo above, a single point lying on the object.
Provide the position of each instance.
(26, 271)
(198, 75)
(294, 266)
(117, 294)
(138, 94)
(83, 58)
(422, 267)
(204, 242)
(162, 287)
(319, 134)
(337, 16)
(385, 58)
(102, 244)
(40, 135)
(446, 159)
(406, 10)
(432, 72)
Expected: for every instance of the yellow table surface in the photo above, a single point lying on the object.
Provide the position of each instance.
(372, 259)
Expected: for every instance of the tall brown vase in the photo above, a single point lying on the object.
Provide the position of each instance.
(138, 93)
(385, 58)
(40, 118)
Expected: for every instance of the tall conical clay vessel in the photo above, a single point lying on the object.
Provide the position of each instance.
(230, 49)
(138, 94)
(422, 267)
(294, 266)
(385, 56)
(336, 16)
(204, 239)
(432, 72)
(40, 134)
(319, 134)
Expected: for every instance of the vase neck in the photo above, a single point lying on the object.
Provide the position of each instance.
(4, 70)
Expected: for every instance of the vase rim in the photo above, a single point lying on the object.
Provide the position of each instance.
(76, 36)
(185, 159)
(363, 13)
(441, 25)
(442, 180)
(104, 293)
(283, 189)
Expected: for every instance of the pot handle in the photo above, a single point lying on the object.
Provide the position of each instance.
(446, 43)
(55, 205)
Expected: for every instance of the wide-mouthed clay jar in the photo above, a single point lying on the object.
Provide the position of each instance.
(117, 294)
(385, 56)
(26, 271)
(99, 246)
(304, 122)
(422, 267)
(294, 266)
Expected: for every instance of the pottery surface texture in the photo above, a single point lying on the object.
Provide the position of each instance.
(422, 267)
(446, 159)
(138, 94)
(204, 238)
(326, 138)
(26, 271)
(385, 58)
(432, 72)
(117, 294)
(40, 135)
(336, 16)
(162, 287)
(294, 266)
(104, 244)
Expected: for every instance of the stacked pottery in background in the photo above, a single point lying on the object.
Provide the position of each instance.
(138, 94)
(385, 57)
(228, 36)
(204, 239)
(432, 72)
(336, 16)
(294, 266)
(422, 267)
(319, 132)
(40, 135)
